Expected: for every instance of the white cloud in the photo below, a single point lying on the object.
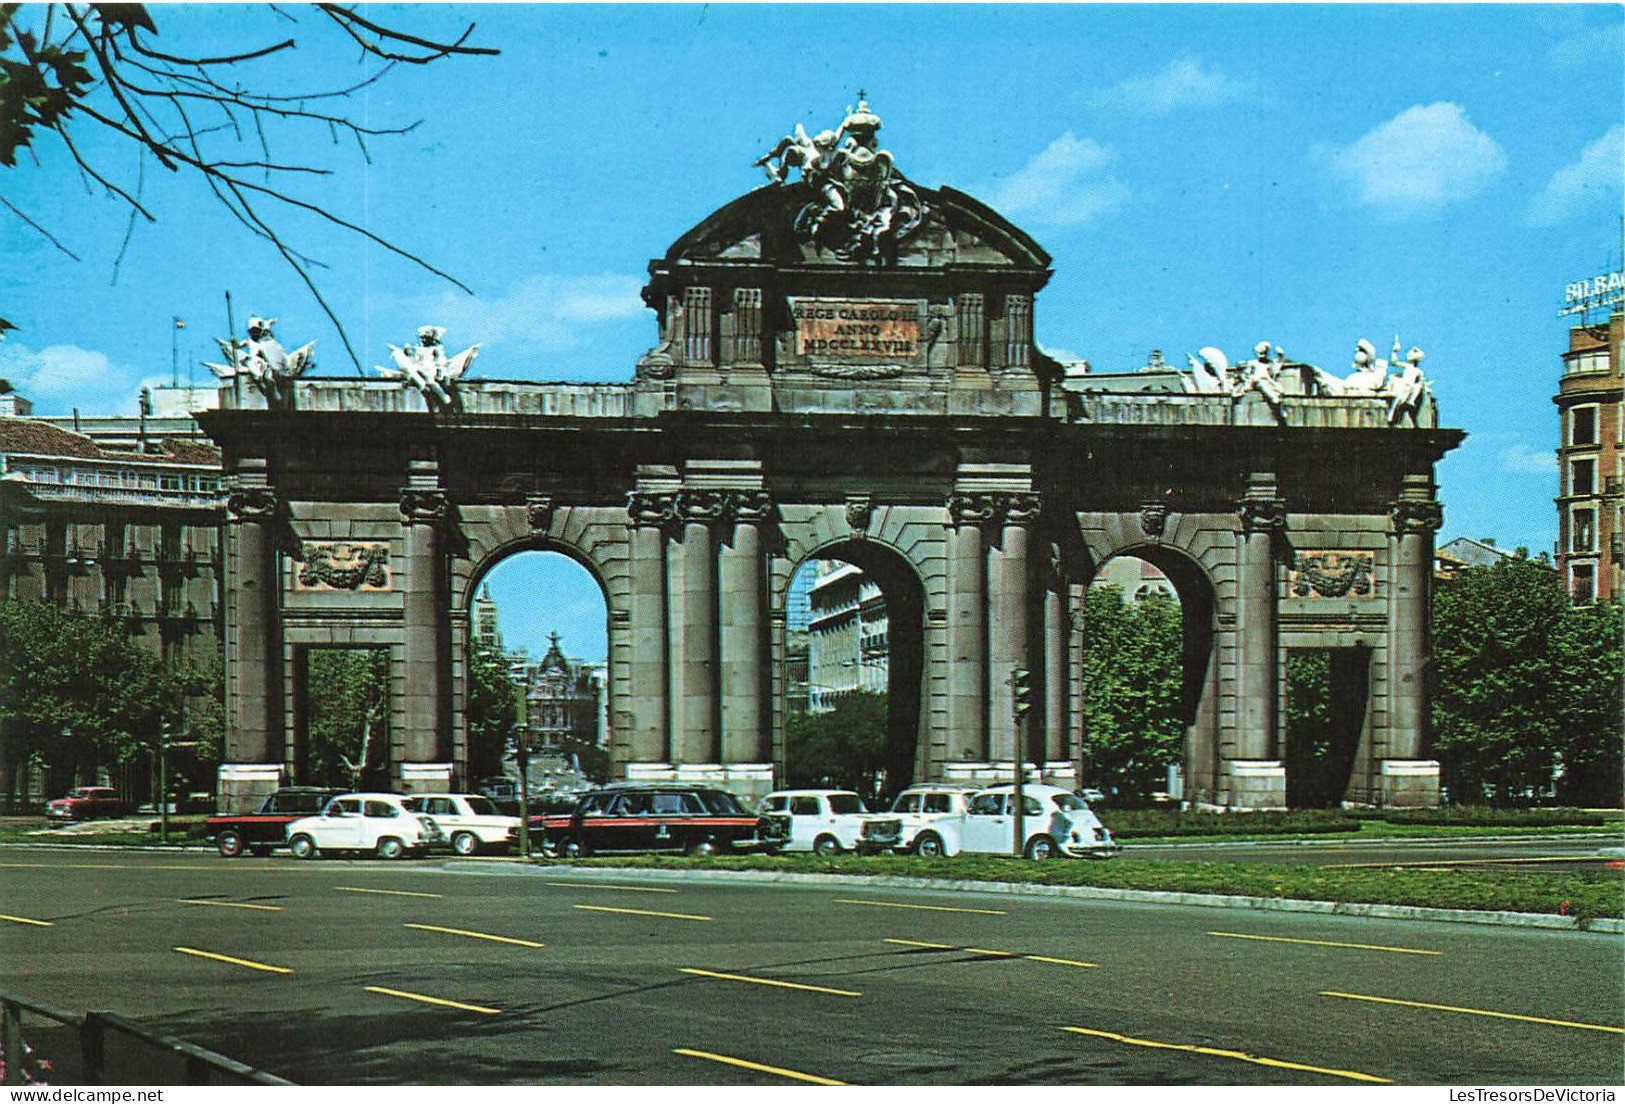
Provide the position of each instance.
(1521, 459)
(1066, 184)
(547, 311)
(58, 378)
(1422, 158)
(1181, 83)
(1597, 174)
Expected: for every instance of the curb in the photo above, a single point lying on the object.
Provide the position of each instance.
(1606, 926)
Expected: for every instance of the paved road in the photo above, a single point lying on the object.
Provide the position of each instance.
(366, 972)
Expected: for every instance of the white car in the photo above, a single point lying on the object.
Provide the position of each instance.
(938, 820)
(376, 823)
(825, 822)
(470, 821)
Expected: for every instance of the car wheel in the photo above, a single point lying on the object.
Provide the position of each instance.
(826, 846)
(465, 843)
(303, 847)
(1041, 847)
(390, 848)
(572, 848)
(229, 843)
(930, 845)
(704, 847)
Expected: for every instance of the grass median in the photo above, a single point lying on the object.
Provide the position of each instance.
(1585, 896)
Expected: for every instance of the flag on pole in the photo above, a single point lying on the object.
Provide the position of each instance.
(179, 325)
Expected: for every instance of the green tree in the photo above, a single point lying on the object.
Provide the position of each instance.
(1497, 713)
(493, 708)
(347, 696)
(1133, 682)
(1588, 685)
(842, 749)
(80, 694)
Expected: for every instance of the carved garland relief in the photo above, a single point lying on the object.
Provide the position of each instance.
(1332, 573)
(342, 565)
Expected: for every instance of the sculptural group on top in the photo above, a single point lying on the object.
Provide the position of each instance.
(1405, 389)
(861, 207)
(261, 359)
(427, 367)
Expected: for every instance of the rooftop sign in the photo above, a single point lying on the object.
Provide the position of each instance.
(1607, 290)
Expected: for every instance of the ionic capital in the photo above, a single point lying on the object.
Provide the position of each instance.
(424, 507)
(652, 508)
(251, 504)
(702, 507)
(971, 509)
(753, 507)
(1416, 516)
(1262, 515)
(1021, 507)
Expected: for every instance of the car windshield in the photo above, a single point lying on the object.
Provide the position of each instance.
(481, 806)
(721, 803)
(1069, 802)
(842, 803)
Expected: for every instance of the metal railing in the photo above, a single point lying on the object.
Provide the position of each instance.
(103, 1048)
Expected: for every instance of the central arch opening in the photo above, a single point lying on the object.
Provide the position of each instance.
(855, 659)
(538, 674)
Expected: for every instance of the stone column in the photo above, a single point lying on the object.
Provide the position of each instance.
(744, 633)
(967, 627)
(1256, 777)
(651, 724)
(1057, 631)
(1406, 778)
(1008, 605)
(697, 738)
(254, 737)
(425, 743)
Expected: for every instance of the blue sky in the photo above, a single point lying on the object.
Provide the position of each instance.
(1202, 175)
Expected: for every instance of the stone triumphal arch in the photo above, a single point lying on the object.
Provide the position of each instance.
(845, 360)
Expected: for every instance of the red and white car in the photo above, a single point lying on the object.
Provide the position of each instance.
(87, 803)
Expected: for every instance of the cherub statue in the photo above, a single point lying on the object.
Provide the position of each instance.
(1209, 374)
(427, 367)
(262, 359)
(798, 151)
(1407, 388)
(1260, 374)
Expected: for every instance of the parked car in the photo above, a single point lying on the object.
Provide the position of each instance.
(945, 821)
(696, 820)
(918, 809)
(825, 822)
(258, 832)
(471, 822)
(375, 823)
(86, 803)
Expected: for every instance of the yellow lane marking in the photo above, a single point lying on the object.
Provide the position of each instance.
(1473, 1011)
(1324, 943)
(387, 892)
(1000, 954)
(742, 1064)
(69, 866)
(228, 904)
(926, 908)
(26, 920)
(770, 981)
(1064, 962)
(640, 912)
(1239, 1056)
(434, 1000)
(622, 888)
(477, 935)
(234, 961)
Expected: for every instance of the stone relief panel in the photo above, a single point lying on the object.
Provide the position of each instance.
(342, 565)
(1332, 573)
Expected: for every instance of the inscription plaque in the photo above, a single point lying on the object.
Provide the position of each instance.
(857, 330)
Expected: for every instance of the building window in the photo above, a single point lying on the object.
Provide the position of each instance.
(1583, 477)
(1588, 362)
(1583, 583)
(1583, 425)
(1584, 531)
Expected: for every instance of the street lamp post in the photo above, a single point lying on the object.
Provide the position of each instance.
(1021, 703)
(521, 748)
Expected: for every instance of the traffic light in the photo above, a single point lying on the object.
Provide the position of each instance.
(1022, 681)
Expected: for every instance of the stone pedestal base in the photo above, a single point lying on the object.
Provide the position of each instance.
(746, 781)
(1060, 772)
(1255, 784)
(242, 786)
(425, 777)
(1408, 784)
